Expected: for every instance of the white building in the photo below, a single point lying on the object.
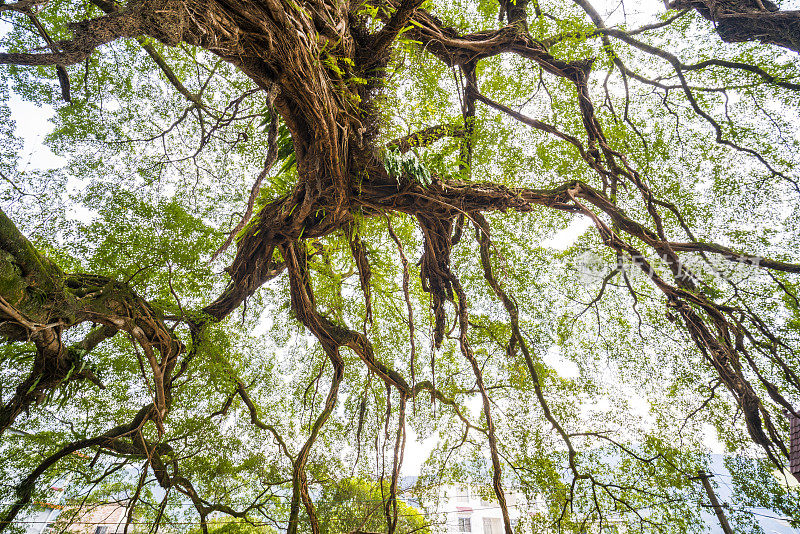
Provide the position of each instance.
(473, 510)
(479, 515)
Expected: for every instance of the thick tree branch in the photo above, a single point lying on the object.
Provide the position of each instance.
(88, 35)
(748, 20)
(426, 137)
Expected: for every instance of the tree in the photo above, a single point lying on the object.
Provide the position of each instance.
(232, 526)
(340, 145)
(354, 505)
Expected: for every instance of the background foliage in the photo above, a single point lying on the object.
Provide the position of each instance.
(156, 175)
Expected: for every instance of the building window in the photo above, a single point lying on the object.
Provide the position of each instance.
(101, 530)
(464, 524)
(492, 525)
(463, 494)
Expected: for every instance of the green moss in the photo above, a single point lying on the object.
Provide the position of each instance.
(12, 285)
(37, 268)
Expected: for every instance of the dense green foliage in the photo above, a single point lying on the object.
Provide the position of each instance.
(154, 175)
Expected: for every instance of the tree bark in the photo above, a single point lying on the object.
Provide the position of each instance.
(739, 21)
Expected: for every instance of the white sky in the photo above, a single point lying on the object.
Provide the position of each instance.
(32, 124)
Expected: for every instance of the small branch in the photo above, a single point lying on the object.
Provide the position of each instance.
(63, 77)
(251, 407)
(426, 137)
(272, 156)
(169, 73)
(88, 35)
(22, 6)
(394, 26)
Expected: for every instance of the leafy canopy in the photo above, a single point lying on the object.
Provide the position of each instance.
(556, 240)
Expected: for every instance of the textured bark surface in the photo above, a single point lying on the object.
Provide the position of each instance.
(739, 21)
(38, 303)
